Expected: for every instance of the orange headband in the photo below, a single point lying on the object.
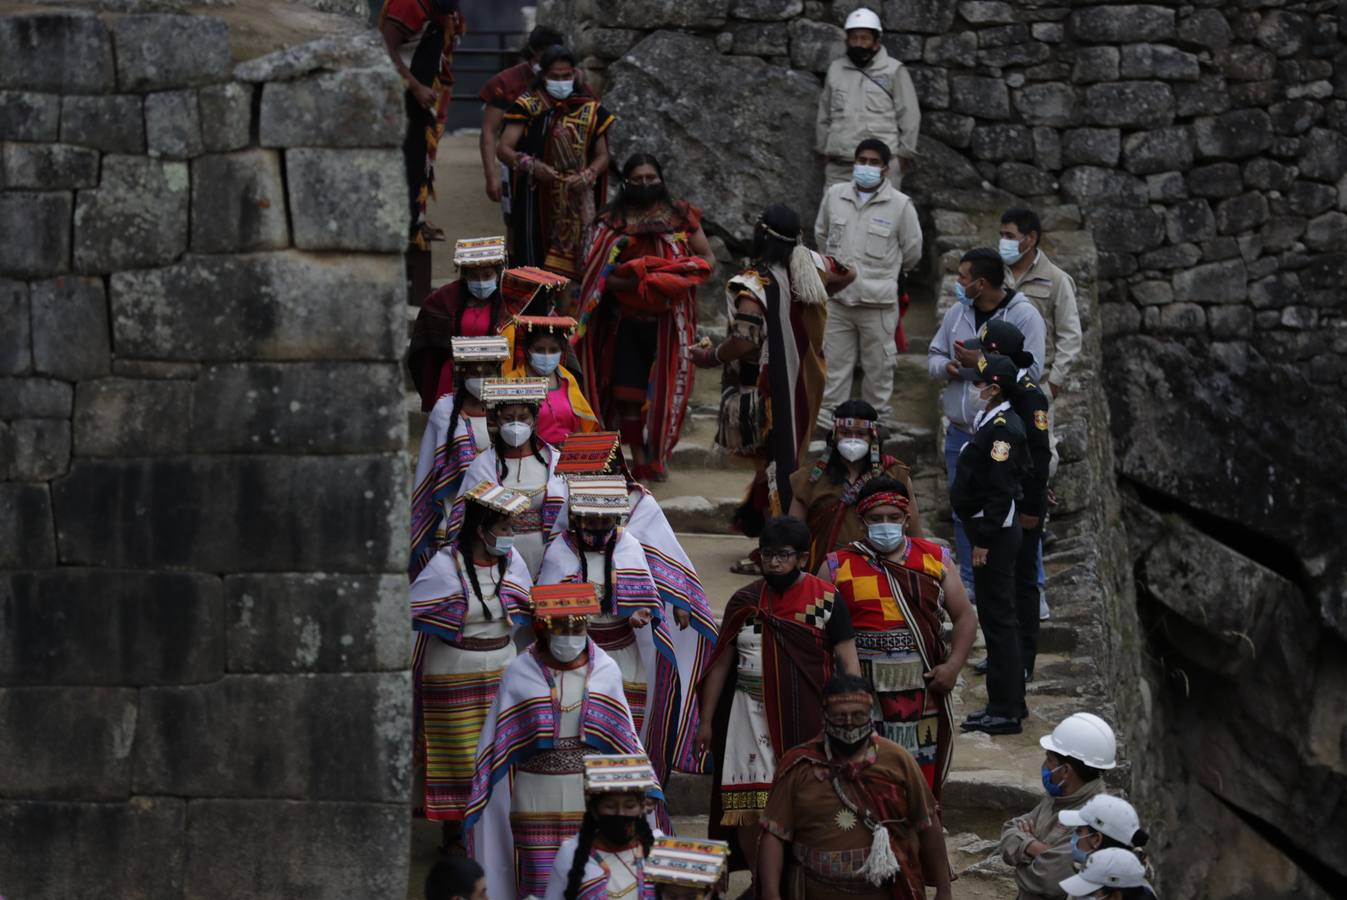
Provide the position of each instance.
(883, 498)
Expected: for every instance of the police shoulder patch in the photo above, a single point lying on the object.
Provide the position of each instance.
(1001, 451)
(1041, 419)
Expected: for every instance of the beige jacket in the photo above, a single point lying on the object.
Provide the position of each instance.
(879, 238)
(878, 101)
(1038, 877)
(1053, 292)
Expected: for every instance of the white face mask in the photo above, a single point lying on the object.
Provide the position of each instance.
(545, 363)
(1010, 251)
(561, 89)
(482, 289)
(566, 647)
(473, 386)
(867, 177)
(516, 434)
(853, 449)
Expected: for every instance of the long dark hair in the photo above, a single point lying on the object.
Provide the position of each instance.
(605, 602)
(619, 204)
(584, 845)
(551, 56)
(498, 442)
(474, 517)
(769, 249)
(837, 466)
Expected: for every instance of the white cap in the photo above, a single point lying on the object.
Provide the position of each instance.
(1111, 816)
(863, 18)
(1086, 737)
(1113, 867)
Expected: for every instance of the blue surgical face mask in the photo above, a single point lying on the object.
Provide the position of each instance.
(544, 363)
(1010, 251)
(482, 289)
(884, 536)
(961, 295)
(867, 176)
(1054, 790)
(504, 543)
(1078, 856)
(561, 89)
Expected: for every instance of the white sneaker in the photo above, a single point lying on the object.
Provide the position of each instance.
(1043, 612)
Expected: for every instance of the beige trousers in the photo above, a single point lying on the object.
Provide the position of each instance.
(859, 334)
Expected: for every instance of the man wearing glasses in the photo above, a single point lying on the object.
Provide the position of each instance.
(762, 693)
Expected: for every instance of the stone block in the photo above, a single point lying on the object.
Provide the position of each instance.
(1047, 148)
(258, 736)
(766, 10)
(1119, 22)
(226, 116)
(986, 98)
(1246, 63)
(317, 623)
(271, 306)
(1048, 104)
(1325, 155)
(932, 87)
(906, 47)
(1126, 229)
(27, 538)
(654, 14)
(1308, 198)
(70, 328)
(1138, 104)
(1091, 186)
(1191, 220)
(132, 417)
(1281, 232)
(28, 116)
(1265, 174)
(986, 12)
(1024, 180)
(1028, 53)
(1327, 233)
(340, 513)
(1204, 97)
(134, 628)
(1205, 29)
(268, 848)
(1300, 317)
(173, 124)
(136, 217)
(950, 49)
(66, 742)
(133, 849)
(347, 199)
(1095, 64)
(814, 45)
(1219, 248)
(60, 52)
(1152, 293)
(1275, 291)
(920, 16)
(1219, 282)
(1158, 150)
(1283, 32)
(34, 398)
(1294, 116)
(1091, 147)
(611, 43)
(1234, 135)
(16, 346)
(998, 142)
(1166, 187)
(1177, 318)
(1230, 322)
(1216, 180)
(269, 408)
(761, 39)
(41, 449)
(238, 203)
(1048, 32)
(1171, 256)
(1242, 213)
(948, 128)
(48, 166)
(1158, 61)
(6, 451)
(350, 108)
(36, 226)
(158, 52)
(114, 124)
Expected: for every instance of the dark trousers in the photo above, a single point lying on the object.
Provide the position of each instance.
(1026, 595)
(995, 583)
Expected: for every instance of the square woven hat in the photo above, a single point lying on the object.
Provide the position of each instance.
(503, 391)
(552, 601)
(620, 774)
(481, 251)
(597, 495)
(480, 349)
(501, 499)
(587, 454)
(688, 862)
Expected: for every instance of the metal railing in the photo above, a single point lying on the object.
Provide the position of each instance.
(473, 65)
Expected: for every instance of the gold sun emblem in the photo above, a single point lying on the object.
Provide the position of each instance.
(845, 819)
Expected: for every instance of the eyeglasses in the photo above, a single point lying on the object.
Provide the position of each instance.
(778, 556)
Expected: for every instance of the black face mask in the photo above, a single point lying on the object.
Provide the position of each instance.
(617, 829)
(592, 539)
(860, 56)
(844, 749)
(781, 581)
(643, 194)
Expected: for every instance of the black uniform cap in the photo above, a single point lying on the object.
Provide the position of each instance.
(1000, 336)
(993, 369)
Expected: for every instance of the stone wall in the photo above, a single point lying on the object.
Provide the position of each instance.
(1203, 147)
(203, 644)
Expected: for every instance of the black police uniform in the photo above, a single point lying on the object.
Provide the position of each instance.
(985, 492)
(1031, 405)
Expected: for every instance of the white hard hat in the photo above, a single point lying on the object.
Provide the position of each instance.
(1086, 737)
(1113, 867)
(863, 18)
(1112, 816)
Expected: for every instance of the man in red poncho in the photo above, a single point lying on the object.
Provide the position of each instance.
(638, 313)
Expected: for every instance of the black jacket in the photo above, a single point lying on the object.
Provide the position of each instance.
(988, 476)
(1031, 405)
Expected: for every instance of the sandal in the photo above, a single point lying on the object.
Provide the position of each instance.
(746, 566)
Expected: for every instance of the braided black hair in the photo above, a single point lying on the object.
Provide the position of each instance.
(474, 517)
(605, 601)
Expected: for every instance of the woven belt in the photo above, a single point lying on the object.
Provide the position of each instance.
(613, 636)
(833, 868)
(750, 685)
(566, 758)
(897, 641)
(479, 645)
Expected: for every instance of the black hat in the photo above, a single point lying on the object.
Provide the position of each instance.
(993, 369)
(781, 222)
(1000, 336)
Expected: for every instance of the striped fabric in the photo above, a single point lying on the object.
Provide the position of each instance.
(537, 837)
(447, 449)
(453, 709)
